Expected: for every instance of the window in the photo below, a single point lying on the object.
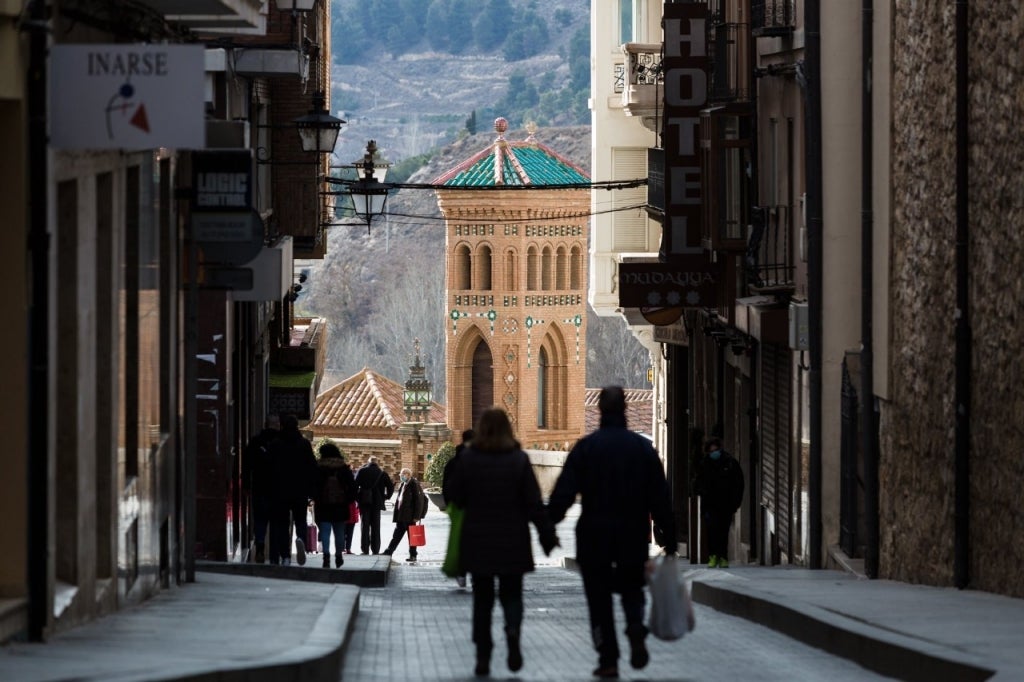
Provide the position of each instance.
(483, 268)
(561, 268)
(625, 21)
(463, 269)
(510, 270)
(725, 147)
(532, 280)
(542, 389)
(546, 269)
(576, 268)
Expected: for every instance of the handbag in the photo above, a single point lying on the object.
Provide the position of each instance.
(671, 607)
(353, 512)
(452, 566)
(417, 535)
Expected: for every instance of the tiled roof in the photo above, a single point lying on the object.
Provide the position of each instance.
(639, 409)
(507, 163)
(366, 400)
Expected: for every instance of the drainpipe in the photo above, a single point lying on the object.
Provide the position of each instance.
(812, 125)
(38, 452)
(867, 379)
(961, 505)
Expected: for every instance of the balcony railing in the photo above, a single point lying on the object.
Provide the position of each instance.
(643, 79)
(770, 263)
(772, 18)
(730, 62)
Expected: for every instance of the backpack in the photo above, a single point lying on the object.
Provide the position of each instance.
(333, 491)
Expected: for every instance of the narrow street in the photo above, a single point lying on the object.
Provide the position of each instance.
(418, 628)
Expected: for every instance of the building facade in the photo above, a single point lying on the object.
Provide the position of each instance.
(138, 361)
(855, 357)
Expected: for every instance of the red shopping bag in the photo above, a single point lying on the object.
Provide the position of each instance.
(353, 512)
(417, 535)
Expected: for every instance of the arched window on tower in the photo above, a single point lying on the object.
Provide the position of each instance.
(546, 268)
(532, 267)
(481, 381)
(575, 268)
(483, 268)
(542, 389)
(561, 268)
(511, 276)
(463, 269)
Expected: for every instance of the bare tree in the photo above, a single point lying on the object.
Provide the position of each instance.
(614, 356)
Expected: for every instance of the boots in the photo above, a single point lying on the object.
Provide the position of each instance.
(638, 656)
(483, 661)
(338, 560)
(515, 655)
(327, 559)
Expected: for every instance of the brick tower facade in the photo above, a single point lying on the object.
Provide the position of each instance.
(517, 225)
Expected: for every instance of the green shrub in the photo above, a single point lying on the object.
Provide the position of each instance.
(434, 475)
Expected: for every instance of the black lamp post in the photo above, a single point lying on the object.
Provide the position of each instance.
(368, 193)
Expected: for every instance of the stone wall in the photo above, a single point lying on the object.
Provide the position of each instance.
(917, 429)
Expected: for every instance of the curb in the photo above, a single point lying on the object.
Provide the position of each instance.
(888, 653)
(375, 576)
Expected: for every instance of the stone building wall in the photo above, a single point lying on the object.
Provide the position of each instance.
(917, 428)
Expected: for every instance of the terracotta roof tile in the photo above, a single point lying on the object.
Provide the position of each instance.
(639, 409)
(366, 400)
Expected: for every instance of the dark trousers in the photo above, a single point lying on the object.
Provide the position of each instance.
(600, 579)
(282, 515)
(369, 522)
(350, 530)
(717, 523)
(260, 516)
(401, 528)
(510, 594)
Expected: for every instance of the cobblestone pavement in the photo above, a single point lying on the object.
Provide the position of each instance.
(418, 628)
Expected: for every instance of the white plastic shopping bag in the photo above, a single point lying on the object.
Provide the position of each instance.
(671, 609)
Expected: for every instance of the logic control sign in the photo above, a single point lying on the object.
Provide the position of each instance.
(127, 96)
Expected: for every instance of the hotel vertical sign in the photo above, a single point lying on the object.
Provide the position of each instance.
(686, 67)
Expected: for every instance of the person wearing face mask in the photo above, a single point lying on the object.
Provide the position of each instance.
(720, 487)
(410, 507)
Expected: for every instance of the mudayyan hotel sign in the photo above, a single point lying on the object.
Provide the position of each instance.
(130, 96)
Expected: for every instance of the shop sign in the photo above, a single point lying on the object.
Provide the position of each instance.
(131, 96)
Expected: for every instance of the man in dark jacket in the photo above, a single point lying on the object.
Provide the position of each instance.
(293, 476)
(410, 507)
(256, 481)
(373, 486)
(720, 486)
(622, 484)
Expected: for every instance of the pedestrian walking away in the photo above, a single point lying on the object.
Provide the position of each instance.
(293, 476)
(373, 487)
(336, 485)
(494, 483)
(410, 506)
(256, 481)
(720, 488)
(622, 486)
(467, 438)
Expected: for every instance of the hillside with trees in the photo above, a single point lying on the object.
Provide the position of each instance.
(425, 79)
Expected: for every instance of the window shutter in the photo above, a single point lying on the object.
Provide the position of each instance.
(629, 228)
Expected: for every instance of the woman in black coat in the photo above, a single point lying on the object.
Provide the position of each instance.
(495, 485)
(335, 487)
